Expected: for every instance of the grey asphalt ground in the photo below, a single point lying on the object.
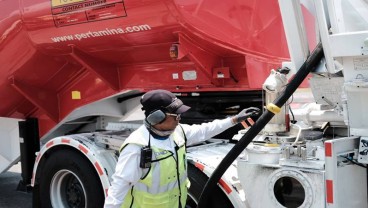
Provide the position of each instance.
(9, 196)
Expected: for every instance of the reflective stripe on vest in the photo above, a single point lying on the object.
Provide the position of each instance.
(160, 186)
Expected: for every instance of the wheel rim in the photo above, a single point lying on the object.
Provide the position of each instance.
(67, 190)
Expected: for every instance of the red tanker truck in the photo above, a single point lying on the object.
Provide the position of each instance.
(72, 73)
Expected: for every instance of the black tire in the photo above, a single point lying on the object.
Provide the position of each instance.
(71, 180)
(198, 180)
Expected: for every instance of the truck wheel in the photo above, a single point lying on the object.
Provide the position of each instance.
(68, 179)
(198, 180)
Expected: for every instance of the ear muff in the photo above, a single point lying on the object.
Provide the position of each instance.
(156, 117)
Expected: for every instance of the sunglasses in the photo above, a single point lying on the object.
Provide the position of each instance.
(177, 116)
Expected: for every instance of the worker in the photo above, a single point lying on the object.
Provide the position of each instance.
(151, 170)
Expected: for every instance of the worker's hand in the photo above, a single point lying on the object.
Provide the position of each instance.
(244, 114)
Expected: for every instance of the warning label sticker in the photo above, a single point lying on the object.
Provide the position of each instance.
(70, 12)
(360, 63)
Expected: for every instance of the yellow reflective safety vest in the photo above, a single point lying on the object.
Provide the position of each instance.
(166, 183)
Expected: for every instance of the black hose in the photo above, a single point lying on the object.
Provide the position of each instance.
(304, 70)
